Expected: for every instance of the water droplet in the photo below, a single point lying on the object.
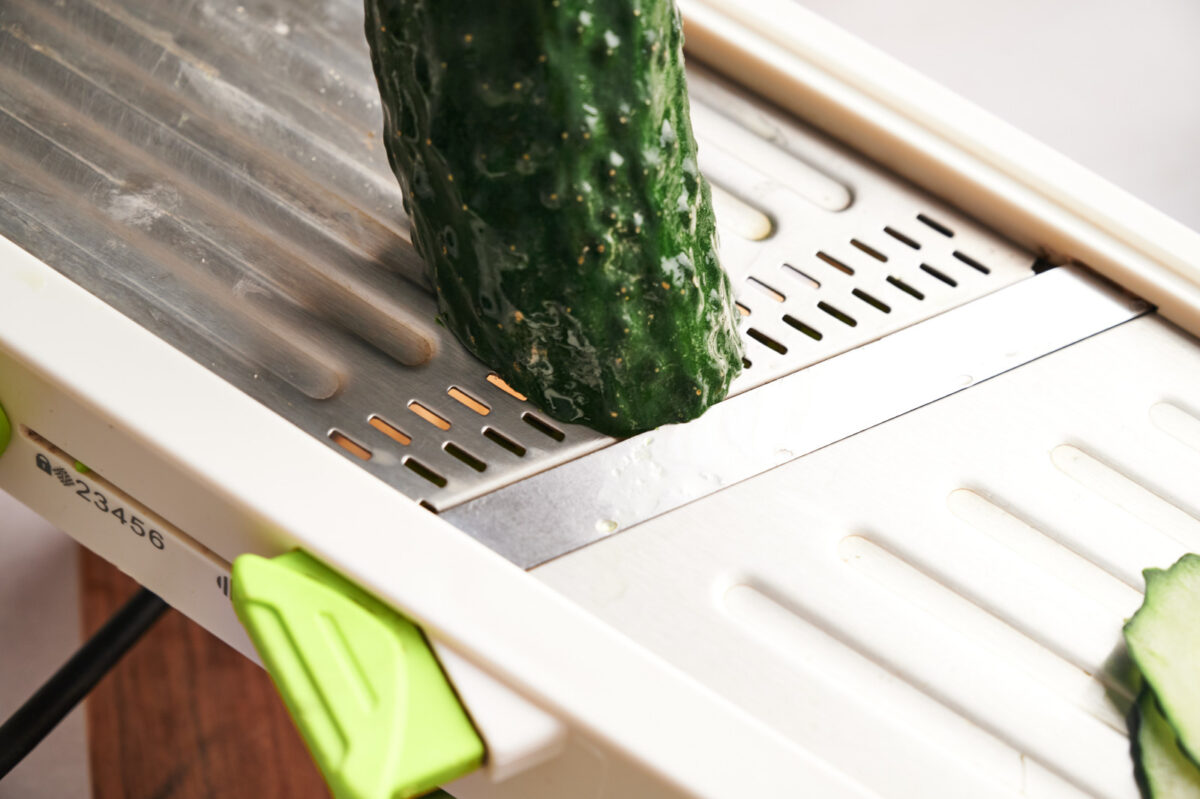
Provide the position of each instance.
(606, 526)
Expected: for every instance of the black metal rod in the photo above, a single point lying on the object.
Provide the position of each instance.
(42, 712)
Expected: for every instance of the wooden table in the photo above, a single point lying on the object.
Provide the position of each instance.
(183, 716)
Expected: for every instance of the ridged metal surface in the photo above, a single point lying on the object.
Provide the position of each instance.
(214, 171)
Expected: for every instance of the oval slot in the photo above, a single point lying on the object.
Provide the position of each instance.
(971, 262)
(350, 445)
(869, 250)
(457, 452)
(933, 224)
(417, 467)
(390, 430)
(765, 289)
(841, 316)
(766, 341)
(503, 441)
(499, 383)
(803, 277)
(835, 263)
(543, 427)
(428, 415)
(466, 399)
(807, 330)
(903, 239)
(907, 289)
(929, 270)
(869, 300)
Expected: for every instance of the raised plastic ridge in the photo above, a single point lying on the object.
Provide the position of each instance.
(361, 682)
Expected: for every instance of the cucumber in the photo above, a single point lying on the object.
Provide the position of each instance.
(548, 166)
(1162, 770)
(1163, 639)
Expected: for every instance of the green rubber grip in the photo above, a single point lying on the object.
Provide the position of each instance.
(360, 681)
(5, 431)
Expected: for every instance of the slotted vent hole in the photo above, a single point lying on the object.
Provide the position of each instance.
(869, 300)
(390, 430)
(503, 441)
(900, 237)
(455, 451)
(835, 263)
(466, 399)
(543, 427)
(350, 445)
(766, 341)
(499, 383)
(416, 466)
(807, 330)
(742, 309)
(746, 364)
(949, 281)
(429, 415)
(869, 250)
(765, 289)
(841, 316)
(907, 289)
(971, 262)
(803, 277)
(427, 505)
(935, 225)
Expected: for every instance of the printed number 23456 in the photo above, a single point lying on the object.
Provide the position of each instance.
(100, 502)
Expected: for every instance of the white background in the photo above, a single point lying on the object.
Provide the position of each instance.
(1113, 84)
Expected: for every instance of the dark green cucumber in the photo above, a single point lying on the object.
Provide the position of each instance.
(1163, 771)
(1163, 639)
(548, 165)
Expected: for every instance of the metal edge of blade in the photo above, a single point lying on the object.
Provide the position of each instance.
(582, 501)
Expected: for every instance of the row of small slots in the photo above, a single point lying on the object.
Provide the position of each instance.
(844, 268)
(440, 422)
(437, 420)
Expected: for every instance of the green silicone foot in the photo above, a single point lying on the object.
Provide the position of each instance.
(362, 684)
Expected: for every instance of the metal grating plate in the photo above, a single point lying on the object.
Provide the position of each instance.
(213, 171)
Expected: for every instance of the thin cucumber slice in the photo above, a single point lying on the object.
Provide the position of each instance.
(1163, 638)
(1163, 772)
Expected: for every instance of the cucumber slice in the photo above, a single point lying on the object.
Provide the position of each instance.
(1163, 638)
(1163, 771)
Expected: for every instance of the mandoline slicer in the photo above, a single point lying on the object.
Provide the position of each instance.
(894, 563)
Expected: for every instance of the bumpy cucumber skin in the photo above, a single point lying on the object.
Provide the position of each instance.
(546, 156)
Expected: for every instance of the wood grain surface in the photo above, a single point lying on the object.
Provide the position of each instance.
(183, 716)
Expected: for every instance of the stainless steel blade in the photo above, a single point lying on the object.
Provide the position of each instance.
(593, 497)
